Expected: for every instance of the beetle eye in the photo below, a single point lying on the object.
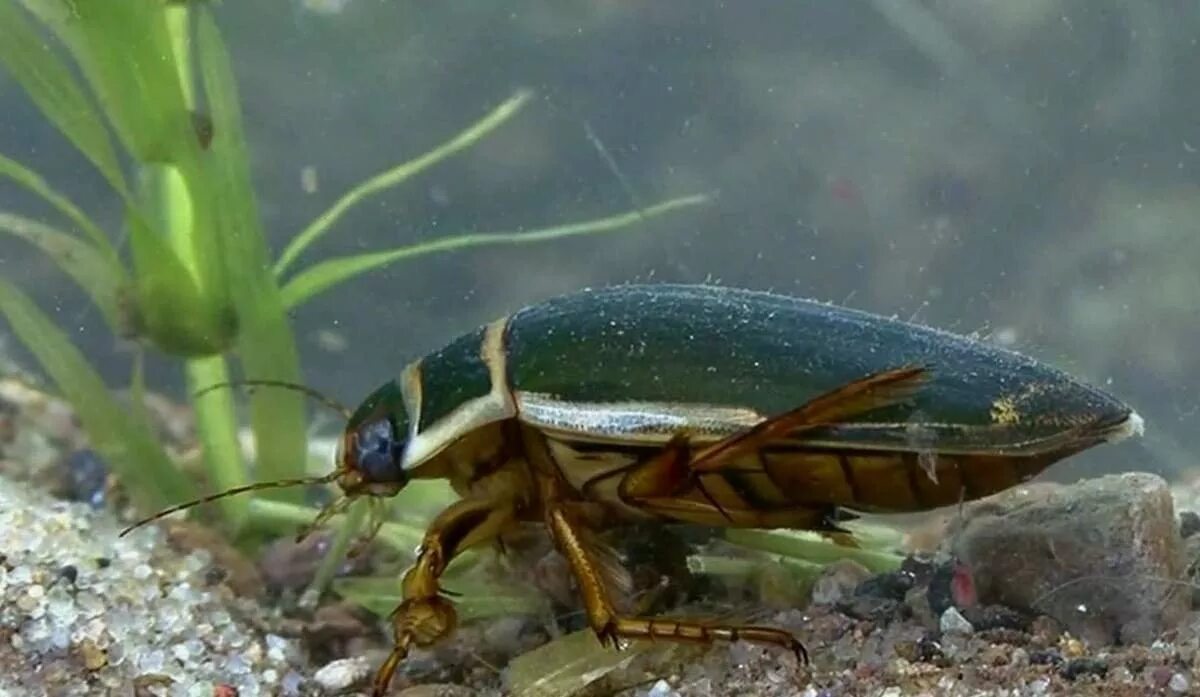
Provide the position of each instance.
(377, 452)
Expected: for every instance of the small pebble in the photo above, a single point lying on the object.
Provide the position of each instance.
(871, 608)
(1084, 666)
(94, 657)
(929, 650)
(662, 688)
(891, 585)
(1019, 658)
(1073, 648)
(69, 573)
(1045, 657)
(987, 617)
(1159, 676)
(342, 673)
(1179, 683)
(838, 581)
(132, 610)
(952, 622)
(1189, 524)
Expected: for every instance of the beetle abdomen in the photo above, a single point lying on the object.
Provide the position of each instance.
(891, 482)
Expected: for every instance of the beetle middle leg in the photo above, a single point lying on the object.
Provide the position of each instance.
(610, 626)
(425, 616)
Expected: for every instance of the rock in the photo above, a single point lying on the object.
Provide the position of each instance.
(343, 673)
(892, 585)
(291, 565)
(132, 608)
(952, 622)
(1191, 553)
(838, 581)
(870, 608)
(84, 477)
(917, 603)
(987, 617)
(1079, 667)
(1087, 555)
(1189, 524)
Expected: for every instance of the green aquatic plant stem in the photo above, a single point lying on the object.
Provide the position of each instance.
(216, 423)
(216, 427)
(265, 346)
(281, 517)
(397, 175)
(741, 569)
(326, 274)
(176, 202)
(347, 528)
(811, 548)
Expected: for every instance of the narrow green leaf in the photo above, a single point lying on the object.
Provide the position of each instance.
(103, 280)
(326, 274)
(265, 345)
(811, 547)
(35, 183)
(128, 445)
(399, 174)
(568, 665)
(124, 50)
(53, 88)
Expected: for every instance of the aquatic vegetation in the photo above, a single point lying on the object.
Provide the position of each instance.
(158, 115)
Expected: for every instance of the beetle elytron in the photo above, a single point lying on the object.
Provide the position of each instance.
(698, 404)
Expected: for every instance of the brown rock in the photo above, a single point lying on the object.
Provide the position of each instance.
(1104, 557)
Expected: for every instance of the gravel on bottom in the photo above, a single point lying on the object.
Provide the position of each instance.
(84, 612)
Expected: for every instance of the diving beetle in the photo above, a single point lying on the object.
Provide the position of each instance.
(697, 404)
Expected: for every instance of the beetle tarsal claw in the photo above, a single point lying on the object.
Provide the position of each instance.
(383, 676)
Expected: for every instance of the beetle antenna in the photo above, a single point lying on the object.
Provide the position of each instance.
(278, 484)
(310, 392)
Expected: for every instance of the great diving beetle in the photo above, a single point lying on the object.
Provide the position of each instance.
(698, 404)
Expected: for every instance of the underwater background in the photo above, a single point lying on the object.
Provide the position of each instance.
(1025, 172)
(1022, 170)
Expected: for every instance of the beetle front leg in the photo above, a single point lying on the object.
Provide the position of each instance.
(610, 626)
(425, 616)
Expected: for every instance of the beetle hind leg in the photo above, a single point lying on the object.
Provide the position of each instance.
(610, 626)
(853, 399)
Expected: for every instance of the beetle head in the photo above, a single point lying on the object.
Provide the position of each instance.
(371, 451)
(370, 457)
